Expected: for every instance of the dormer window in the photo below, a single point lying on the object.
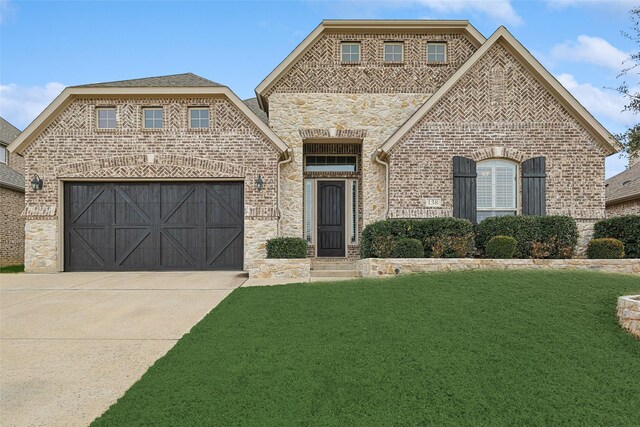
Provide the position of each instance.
(436, 52)
(350, 52)
(393, 52)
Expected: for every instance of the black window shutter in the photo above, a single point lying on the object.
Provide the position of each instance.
(464, 188)
(534, 186)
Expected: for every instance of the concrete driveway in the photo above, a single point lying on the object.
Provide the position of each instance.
(71, 344)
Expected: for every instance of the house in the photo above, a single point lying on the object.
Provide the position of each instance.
(364, 120)
(622, 192)
(11, 198)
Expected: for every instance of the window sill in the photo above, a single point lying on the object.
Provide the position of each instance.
(393, 64)
(351, 64)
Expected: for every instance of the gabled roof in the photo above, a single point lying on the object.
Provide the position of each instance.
(74, 92)
(8, 132)
(364, 26)
(603, 136)
(624, 186)
(172, 80)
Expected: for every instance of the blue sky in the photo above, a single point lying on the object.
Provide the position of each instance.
(46, 45)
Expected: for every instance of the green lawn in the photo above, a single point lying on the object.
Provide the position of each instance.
(471, 348)
(12, 269)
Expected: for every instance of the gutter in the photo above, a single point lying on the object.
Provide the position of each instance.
(288, 158)
(377, 157)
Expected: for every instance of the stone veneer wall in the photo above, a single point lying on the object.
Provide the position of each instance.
(11, 227)
(370, 117)
(299, 268)
(72, 148)
(498, 110)
(629, 314)
(631, 207)
(373, 267)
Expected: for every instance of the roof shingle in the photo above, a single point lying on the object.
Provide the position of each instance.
(253, 105)
(8, 132)
(173, 80)
(624, 186)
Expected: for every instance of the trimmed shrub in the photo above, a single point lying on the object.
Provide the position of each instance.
(501, 247)
(408, 248)
(605, 248)
(379, 238)
(624, 228)
(449, 246)
(287, 247)
(536, 236)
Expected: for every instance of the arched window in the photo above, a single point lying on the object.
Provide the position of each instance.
(496, 188)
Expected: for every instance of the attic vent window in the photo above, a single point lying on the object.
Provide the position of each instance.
(436, 52)
(153, 118)
(626, 182)
(106, 118)
(350, 52)
(198, 118)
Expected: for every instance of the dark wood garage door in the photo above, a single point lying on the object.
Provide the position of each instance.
(154, 226)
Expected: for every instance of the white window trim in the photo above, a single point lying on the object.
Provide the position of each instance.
(494, 207)
(4, 150)
(384, 53)
(144, 121)
(446, 53)
(343, 44)
(99, 109)
(190, 109)
(352, 209)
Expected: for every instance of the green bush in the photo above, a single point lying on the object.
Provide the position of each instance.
(287, 247)
(408, 248)
(605, 248)
(449, 246)
(379, 238)
(536, 236)
(624, 228)
(501, 247)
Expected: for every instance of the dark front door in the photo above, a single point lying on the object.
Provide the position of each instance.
(331, 219)
(154, 226)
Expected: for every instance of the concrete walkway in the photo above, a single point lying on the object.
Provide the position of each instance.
(71, 344)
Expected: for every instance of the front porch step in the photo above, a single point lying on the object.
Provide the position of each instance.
(335, 273)
(326, 265)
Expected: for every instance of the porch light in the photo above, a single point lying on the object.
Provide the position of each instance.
(259, 183)
(36, 183)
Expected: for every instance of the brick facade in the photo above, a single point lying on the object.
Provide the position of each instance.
(497, 109)
(12, 226)
(72, 148)
(630, 207)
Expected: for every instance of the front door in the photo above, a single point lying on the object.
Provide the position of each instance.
(331, 219)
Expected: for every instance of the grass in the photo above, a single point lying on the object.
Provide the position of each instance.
(468, 348)
(12, 269)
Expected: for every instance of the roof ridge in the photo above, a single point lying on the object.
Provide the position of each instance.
(168, 80)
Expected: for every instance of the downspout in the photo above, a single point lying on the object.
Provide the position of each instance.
(378, 159)
(288, 158)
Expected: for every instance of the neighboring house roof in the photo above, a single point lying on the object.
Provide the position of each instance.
(9, 178)
(111, 90)
(253, 105)
(624, 186)
(564, 97)
(173, 80)
(8, 132)
(363, 26)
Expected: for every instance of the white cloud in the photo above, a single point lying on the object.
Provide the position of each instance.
(19, 105)
(559, 4)
(501, 10)
(603, 104)
(615, 164)
(592, 50)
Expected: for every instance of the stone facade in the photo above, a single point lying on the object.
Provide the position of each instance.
(12, 226)
(73, 148)
(498, 109)
(280, 269)
(375, 267)
(374, 116)
(629, 314)
(630, 207)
